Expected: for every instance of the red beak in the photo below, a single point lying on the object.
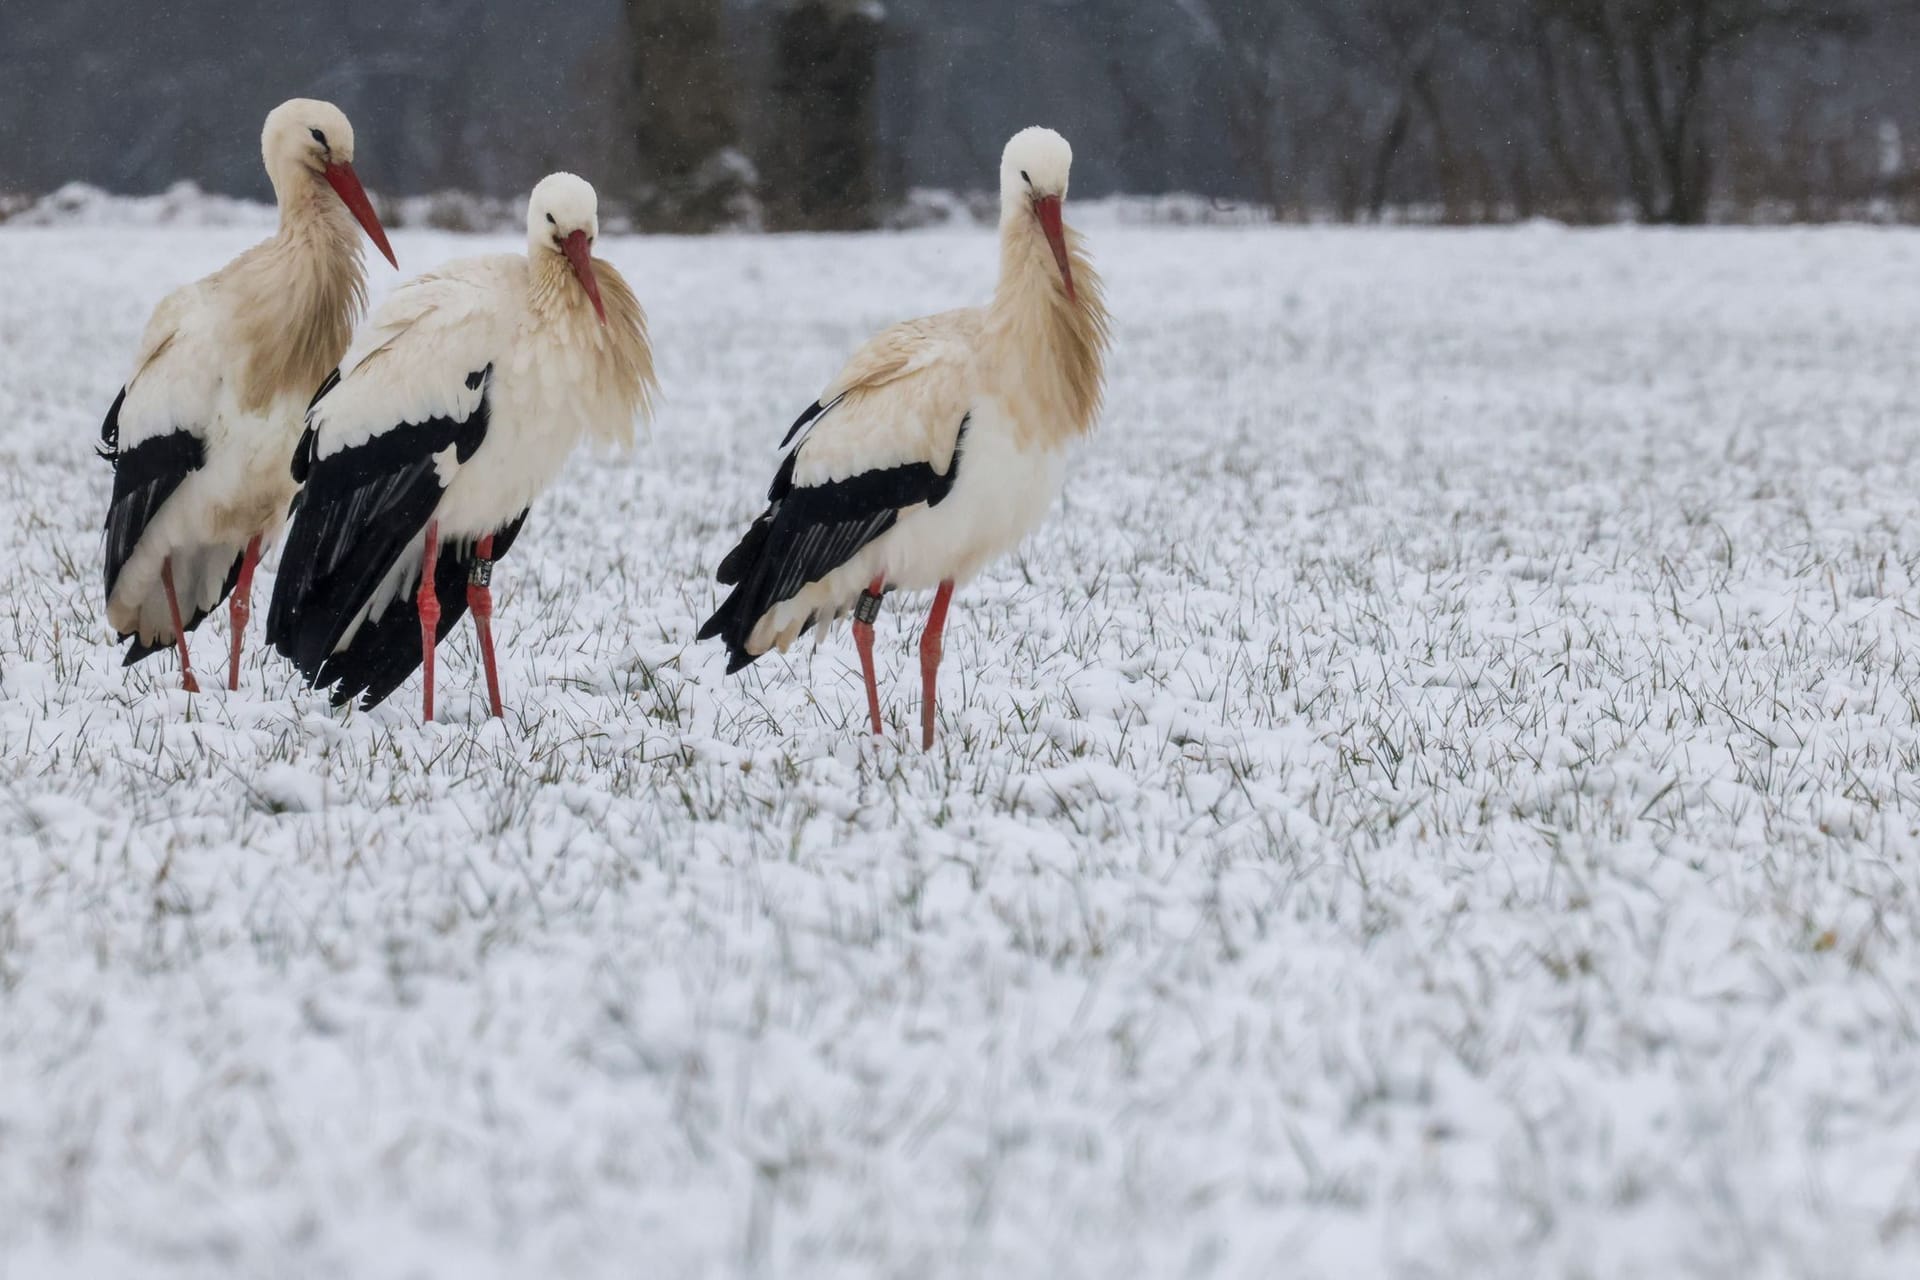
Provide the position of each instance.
(346, 184)
(1048, 209)
(581, 259)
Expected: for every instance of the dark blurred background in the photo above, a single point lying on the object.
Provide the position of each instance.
(827, 113)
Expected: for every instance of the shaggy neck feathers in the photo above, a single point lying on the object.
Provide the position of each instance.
(299, 294)
(620, 365)
(1054, 347)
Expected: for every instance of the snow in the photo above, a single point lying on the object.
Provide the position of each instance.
(1437, 800)
(79, 204)
(184, 204)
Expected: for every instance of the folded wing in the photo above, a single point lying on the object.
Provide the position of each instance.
(886, 436)
(156, 438)
(380, 449)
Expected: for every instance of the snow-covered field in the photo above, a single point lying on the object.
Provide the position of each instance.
(1439, 799)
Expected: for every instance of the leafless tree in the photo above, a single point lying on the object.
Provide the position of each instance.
(820, 162)
(686, 125)
(1657, 60)
(1553, 163)
(1391, 47)
(1249, 40)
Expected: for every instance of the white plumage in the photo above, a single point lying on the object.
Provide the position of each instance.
(938, 447)
(201, 434)
(456, 409)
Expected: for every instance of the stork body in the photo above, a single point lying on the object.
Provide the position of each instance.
(936, 450)
(200, 434)
(455, 411)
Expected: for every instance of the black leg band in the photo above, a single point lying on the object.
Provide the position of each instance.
(479, 572)
(867, 608)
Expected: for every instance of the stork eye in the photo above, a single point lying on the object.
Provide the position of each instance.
(318, 136)
(551, 222)
(1024, 178)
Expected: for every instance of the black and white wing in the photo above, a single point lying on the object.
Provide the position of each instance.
(385, 650)
(353, 555)
(156, 439)
(411, 406)
(887, 435)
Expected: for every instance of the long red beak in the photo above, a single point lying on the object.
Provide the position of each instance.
(1048, 209)
(581, 259)
(346, 184)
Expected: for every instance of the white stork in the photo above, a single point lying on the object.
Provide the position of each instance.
(200, 435)
(461, 400)
(938, 447)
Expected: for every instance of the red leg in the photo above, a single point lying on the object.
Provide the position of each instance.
(480, 600)
(180, 633)
(240, 608)
(429, 604)
(930, 660)
(863, 615)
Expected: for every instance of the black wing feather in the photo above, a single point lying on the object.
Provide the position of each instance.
(386, 650)
(745, 555)
(813, 411)
(303, 452)
(362, 508)
(140, 650)
(144, 477)
(808, 531)
(110, 430)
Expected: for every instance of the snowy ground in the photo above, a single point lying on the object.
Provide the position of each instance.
(1439, 800)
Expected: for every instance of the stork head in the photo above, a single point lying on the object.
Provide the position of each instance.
(563, 217)
(307, 137)
(1033, 184)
